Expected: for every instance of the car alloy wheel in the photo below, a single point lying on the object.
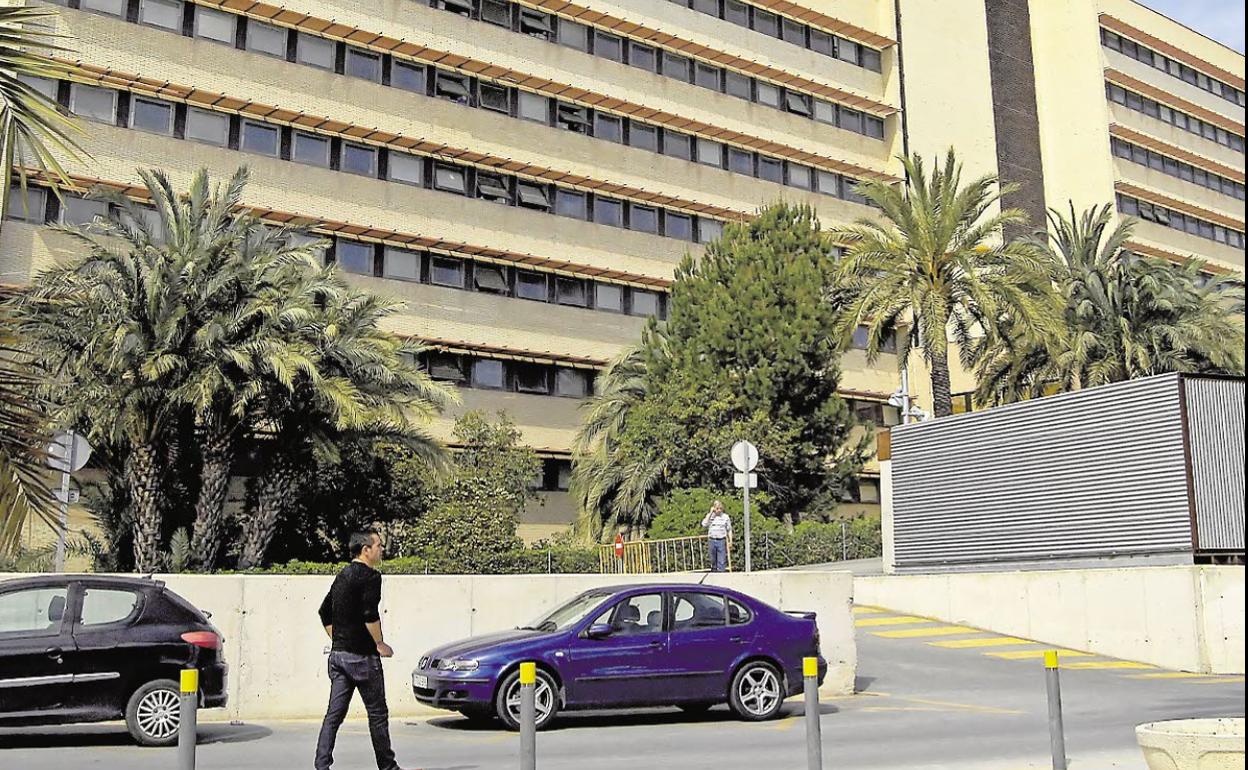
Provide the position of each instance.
(545, 700)
(756, 692)
(154, 713)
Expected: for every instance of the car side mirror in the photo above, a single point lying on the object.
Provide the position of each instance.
(598, 631)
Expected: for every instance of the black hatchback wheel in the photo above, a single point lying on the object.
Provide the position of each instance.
(154, 712)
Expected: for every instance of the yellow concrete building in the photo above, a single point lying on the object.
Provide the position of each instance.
(526, 174)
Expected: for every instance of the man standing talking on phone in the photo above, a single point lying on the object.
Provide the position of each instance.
(352, 619)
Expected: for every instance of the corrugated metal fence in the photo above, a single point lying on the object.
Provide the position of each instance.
(1094, 473)
(1215, 419)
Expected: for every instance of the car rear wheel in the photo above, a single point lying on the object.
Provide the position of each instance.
(756, 692)
(153, 713)
(545, 698)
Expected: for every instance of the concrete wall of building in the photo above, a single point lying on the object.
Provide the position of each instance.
(949, 93)
(1070, 98)
(1187, 618)
(274, 641)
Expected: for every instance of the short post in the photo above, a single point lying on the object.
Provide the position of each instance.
(528, 716)
(814, 733)
(188, 719)
(1057, 735)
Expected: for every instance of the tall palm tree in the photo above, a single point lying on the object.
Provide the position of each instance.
(367, 385)
(610, 492)
(1124, 316)
(23, 486)
(938, 264)
(251, 288)
(34, 130)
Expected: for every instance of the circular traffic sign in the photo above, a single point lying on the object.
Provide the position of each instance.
(68, 452)
(744, 456)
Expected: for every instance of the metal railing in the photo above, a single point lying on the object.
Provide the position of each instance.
(645, 557)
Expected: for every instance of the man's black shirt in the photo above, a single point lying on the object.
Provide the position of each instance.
(351, 602)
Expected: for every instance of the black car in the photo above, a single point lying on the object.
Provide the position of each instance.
(86, 648)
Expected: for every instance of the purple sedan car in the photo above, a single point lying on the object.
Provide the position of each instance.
(691, 646)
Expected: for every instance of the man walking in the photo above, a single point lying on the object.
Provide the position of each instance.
(351, 618)
(719, 532)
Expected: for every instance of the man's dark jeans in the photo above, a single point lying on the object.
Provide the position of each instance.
(349, 672)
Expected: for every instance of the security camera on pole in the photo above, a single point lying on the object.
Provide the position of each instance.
(67, 453)
(744, 459)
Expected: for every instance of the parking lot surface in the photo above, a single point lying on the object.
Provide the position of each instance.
(930, 696)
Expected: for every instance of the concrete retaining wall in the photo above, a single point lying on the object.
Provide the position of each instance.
(274, 641)
(1186, 618)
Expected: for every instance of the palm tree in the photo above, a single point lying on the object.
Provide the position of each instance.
(611, 491)
(251, 289)
(366, 386)
(23, 487)
(938, 263)
(33, 128)
(1124, 316)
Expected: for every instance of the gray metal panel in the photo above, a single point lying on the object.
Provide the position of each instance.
(1215, 429)
(1093, 473)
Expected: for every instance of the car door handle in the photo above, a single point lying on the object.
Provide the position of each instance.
(55, 653)
(737, 639)
(656, 645)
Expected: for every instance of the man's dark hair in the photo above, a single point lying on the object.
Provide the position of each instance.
(359, 541)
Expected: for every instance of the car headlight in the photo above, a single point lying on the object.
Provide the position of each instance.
(459, 664)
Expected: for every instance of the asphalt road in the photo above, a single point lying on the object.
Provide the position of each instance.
(919, 706)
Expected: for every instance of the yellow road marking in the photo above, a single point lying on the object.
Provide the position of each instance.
(899, 620)
(862, 609)
(961, 706)
(1037, 654)
(1096, 665)
(992, 641)
(1170, 675)
(1223, 680)
(914, 633)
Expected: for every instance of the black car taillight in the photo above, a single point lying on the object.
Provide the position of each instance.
(205, 639)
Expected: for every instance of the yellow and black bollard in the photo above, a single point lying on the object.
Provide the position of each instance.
(188, 719)
(814, 729)
(528, 716)
(1057, 733)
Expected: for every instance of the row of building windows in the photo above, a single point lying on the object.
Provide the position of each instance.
(1177, 220)
(482, 93)
(473, 371)
(670, 64)
(861, 489)
(555, 476)
(1177, 168)
(789, 30)
(255, 136)
(1155, 109)
(878, 413)
(365, 258)
(1140, 52)
(505, 281)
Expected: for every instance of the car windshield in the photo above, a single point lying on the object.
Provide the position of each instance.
(568, 614)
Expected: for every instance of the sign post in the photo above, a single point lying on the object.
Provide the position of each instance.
(67, 453)
(744, 459)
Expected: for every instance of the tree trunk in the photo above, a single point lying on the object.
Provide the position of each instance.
(144, 483)
(942, 401)
(275, 489)
(218, 455)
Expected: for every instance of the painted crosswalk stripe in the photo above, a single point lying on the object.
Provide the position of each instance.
(1095, 665)
(1037, 654)
(992, 641)
(917, 633)
(896, 620)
